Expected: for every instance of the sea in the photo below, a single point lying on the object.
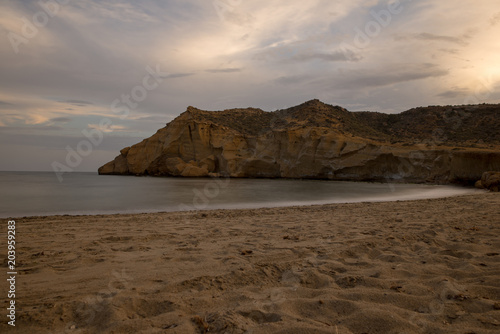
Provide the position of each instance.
(41, 193)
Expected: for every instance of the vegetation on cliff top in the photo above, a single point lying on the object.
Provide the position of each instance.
(467, 126)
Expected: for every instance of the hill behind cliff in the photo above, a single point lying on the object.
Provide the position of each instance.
(467, 126)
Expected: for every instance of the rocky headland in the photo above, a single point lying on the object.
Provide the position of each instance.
(436, 144)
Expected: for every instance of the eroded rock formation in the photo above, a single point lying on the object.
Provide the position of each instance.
(320, 141)
(489, 180)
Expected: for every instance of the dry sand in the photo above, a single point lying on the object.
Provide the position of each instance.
(427, 266)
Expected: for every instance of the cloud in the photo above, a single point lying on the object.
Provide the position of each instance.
(372, 78)
(449, 39)
(60, 119)
(111, 128)
(5, 104)
(176, 75)
(495, 19)
(289, 80)
(455, 93)
(51, 141)
(224, 70)
(78, 103)
(306, 53)
(117, 11)
(154, 118)
(450, 51)
(432, 37)
(334, 56)
(30, 129)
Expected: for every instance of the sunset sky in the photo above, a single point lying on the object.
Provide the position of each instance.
(68, 65)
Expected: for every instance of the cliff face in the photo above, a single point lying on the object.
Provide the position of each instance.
(315, 140)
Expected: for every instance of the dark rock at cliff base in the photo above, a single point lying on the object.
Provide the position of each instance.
(451, 144)
(490, 181)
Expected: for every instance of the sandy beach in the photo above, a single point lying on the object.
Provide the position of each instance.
(426, 266)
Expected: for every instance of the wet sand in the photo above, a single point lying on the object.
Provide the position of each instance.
(425, 266)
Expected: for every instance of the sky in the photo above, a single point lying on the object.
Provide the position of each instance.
(82, 79)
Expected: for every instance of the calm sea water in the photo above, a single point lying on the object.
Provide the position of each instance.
(32, 194)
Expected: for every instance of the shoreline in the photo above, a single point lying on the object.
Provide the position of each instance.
(254, 206)
(413, 266)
